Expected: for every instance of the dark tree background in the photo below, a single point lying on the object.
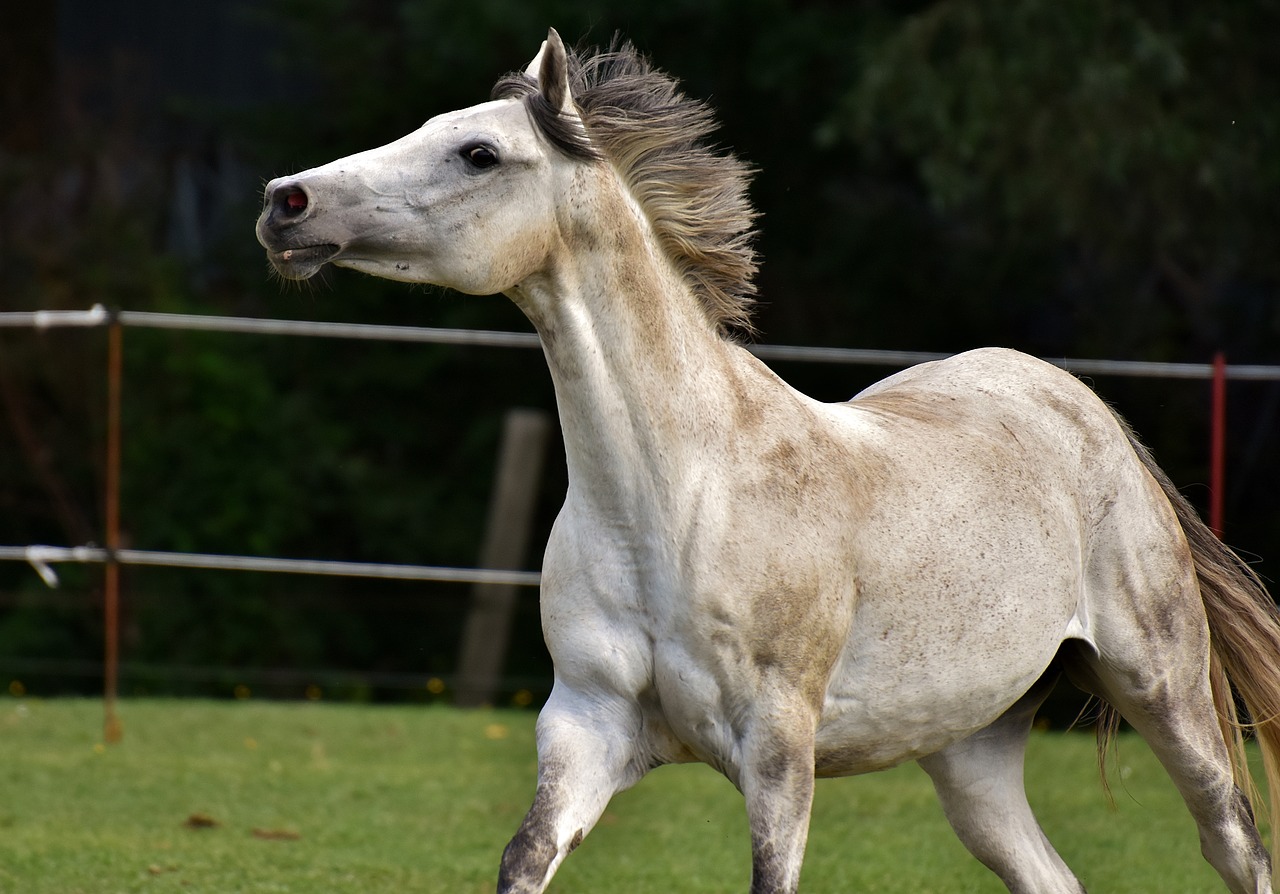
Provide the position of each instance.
(1087, 179)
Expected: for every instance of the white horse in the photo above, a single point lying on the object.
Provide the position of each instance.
(779, 587)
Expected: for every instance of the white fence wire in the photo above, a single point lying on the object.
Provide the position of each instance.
(42, 557)
(100, 316)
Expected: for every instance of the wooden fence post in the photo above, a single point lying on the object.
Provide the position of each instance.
(516, 485)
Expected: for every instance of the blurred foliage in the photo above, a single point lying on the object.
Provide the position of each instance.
(1079, 179)
(1139, 136)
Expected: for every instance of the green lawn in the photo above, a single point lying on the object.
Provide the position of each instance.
(278, 797)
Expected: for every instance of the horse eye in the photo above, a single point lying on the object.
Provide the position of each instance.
(480, 156)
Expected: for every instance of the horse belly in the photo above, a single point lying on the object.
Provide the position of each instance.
(874, 730)
(918, 674)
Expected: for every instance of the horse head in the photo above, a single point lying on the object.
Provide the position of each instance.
(466, 201)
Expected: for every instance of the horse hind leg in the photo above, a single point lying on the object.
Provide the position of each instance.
(1157, 577)
(1229, 838)
(1166, 697)
(979, 782)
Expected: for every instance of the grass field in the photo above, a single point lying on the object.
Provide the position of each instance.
(279, 797)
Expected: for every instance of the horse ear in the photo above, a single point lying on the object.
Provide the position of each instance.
(550, 68)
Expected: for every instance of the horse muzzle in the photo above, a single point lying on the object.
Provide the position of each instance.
(294, 248)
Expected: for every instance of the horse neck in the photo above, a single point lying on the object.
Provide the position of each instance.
(643, 382)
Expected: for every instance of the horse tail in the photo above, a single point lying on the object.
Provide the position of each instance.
(1244, 638)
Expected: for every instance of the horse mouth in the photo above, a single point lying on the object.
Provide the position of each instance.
(302, 263)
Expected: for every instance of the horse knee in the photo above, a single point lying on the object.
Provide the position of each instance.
(529, 857)
(526, 864)
(532, 856)
(581, 765)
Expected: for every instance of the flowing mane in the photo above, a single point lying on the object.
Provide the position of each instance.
(694, 194)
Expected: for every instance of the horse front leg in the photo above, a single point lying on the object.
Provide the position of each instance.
(588, 750)
(776, 780)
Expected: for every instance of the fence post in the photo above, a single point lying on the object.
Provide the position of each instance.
(515, 491)
(112, 729)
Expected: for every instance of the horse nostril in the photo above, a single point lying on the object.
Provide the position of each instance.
(291, 201)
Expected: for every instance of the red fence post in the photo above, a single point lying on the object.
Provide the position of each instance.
(112, 730)
(1218, 443)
